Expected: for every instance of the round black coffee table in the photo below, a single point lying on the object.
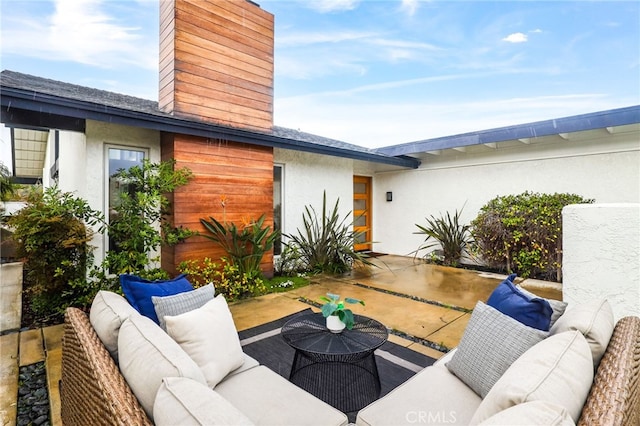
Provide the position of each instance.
(338, 368)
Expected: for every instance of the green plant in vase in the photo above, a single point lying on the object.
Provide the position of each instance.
(334, 307)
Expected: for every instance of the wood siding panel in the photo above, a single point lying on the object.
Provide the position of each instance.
(242, 173)
(216, 28)
(221, 62)
(166, 56)
(257, 24)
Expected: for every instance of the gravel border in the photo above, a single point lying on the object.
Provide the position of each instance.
(33, 396)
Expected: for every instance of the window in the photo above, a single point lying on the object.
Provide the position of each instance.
(277, 207)
(118, 159)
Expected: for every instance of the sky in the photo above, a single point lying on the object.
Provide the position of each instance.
(372, 73)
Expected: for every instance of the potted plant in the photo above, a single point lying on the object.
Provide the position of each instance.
(338, 317)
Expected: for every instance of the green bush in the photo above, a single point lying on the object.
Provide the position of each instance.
(523, 233)
(7, 187)
(447, 233)
(138, 211)
(326, 243)
(227, 279)
(52, 236)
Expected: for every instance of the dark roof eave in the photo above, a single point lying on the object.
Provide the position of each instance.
(577, 123)
(44, 103)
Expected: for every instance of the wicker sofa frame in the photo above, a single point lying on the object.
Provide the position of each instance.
(93, 391)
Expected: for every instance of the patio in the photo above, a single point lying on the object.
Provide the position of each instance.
(436, 298)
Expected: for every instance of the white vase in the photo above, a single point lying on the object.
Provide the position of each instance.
(334, 324)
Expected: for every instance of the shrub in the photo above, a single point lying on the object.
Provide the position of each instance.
(523, 233)
(326, 243)
(7, 187)
(52, 236)
(133, 228)
(226, 279)
(447, 233)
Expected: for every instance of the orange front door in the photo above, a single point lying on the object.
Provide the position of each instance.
(362, 219)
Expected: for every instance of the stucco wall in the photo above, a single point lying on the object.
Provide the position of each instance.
(305, 177)
(72, 164)
(607, 171)
(601, 257)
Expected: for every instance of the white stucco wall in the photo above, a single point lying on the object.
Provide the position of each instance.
(305, 177)
(72, 170)
(6, 155)
(608, 171)
(601, 259)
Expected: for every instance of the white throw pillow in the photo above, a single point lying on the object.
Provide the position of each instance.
(182, 302)
(185, 402)
(108, 311)
(558, 306)
(543, 413)
(209, 336)
(491, 342)
(147, 355)
(594, 320)
(558, 370)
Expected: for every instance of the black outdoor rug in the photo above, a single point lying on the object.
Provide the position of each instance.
(396, 364)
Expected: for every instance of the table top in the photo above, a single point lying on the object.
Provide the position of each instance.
(309, 333)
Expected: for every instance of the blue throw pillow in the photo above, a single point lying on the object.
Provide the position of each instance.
(138, 291)
(531, 311)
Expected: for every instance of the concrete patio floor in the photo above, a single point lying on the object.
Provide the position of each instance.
(425, 302)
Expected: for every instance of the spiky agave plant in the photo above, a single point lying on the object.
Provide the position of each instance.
(448, 233)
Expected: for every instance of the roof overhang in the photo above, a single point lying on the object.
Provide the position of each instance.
(560, 126)
(12, 98)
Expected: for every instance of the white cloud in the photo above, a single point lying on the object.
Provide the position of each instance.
(308, 38)
(326, 6)
(536, 31)
(410, 7)
(80, 31)
(516, 38)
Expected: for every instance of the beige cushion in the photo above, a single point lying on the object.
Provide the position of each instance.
(108, 311)
(209, 336)
(433, 396)
(182, 302)
(147, 355)
(558, 369)
(594, 320)
(543, 413)
(491, 342)
(267, 398)
(185, 402)
(558, 306)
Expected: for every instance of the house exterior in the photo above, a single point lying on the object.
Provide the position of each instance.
(215, 116)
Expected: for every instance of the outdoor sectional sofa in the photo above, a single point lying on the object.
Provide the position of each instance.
(94, 389)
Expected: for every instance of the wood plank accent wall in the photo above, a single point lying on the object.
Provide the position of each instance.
(242, 173)
(216, 62)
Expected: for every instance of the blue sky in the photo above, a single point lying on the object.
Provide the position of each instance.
(373, 73)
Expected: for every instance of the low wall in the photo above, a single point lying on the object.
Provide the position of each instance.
(601, 259)
(10, 296)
